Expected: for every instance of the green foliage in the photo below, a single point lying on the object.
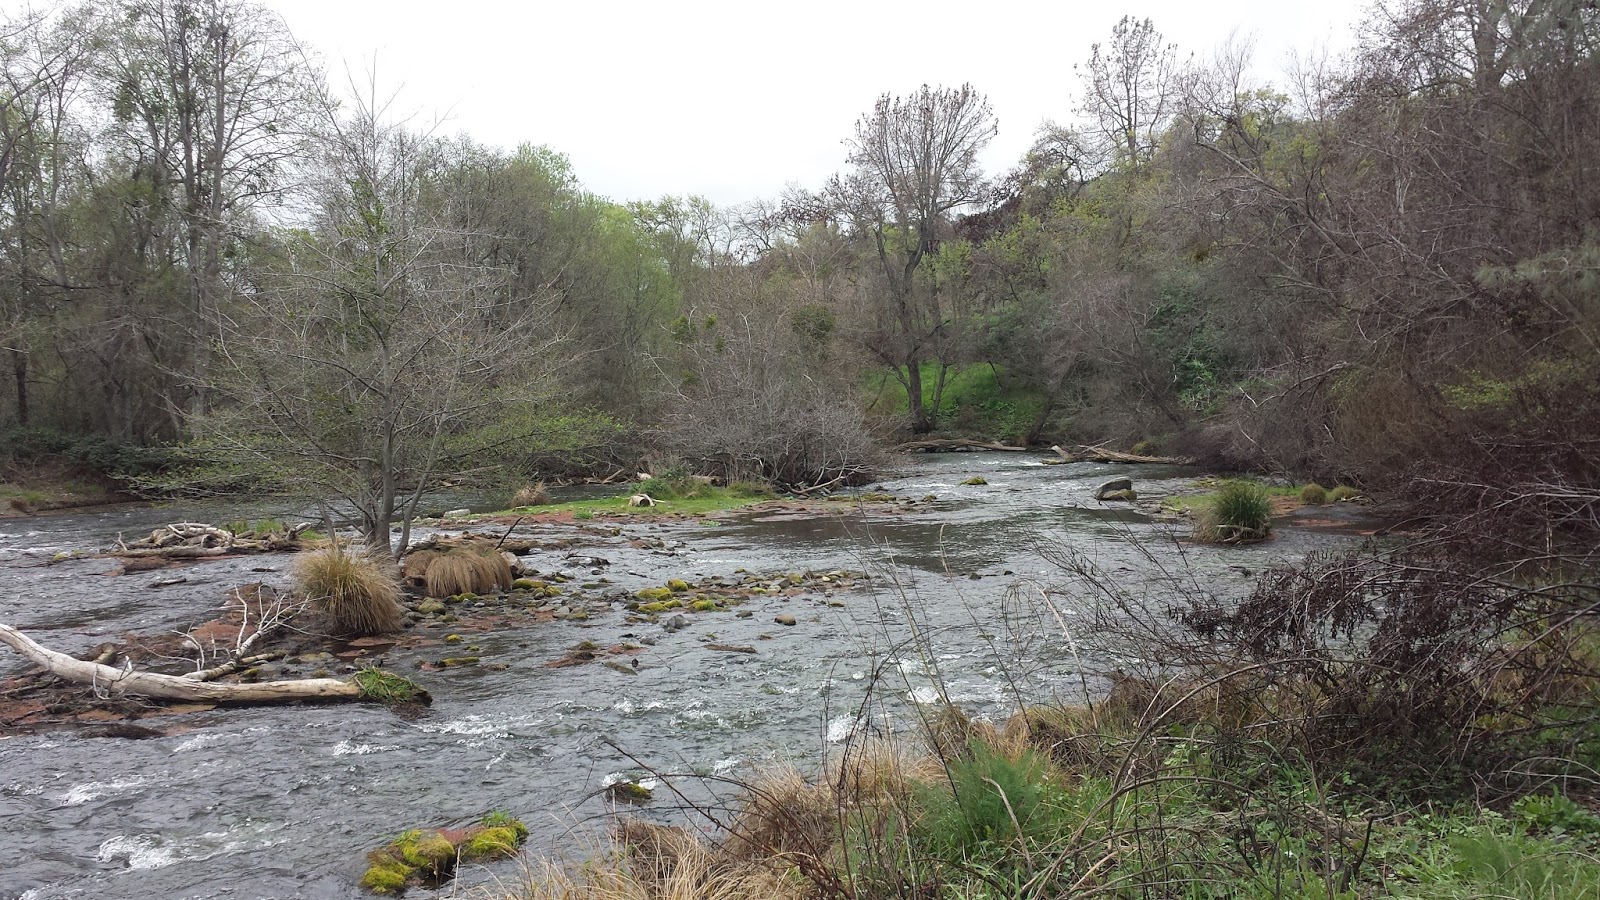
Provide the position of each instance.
(1239, 511)
(992, 801)
(1556, 814)
(979, 399)
(382, 686)
(1342, 493)
(86, 454)
(1314, 493)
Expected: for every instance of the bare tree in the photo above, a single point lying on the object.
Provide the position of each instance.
(213, 98)
(1130, 88)
(381, 354)
(915, 161)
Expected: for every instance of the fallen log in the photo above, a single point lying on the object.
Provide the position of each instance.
(946, 445)
(128, 682)
(1085, 453)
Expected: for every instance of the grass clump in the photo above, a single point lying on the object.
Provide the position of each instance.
(1343, 493)
(382, 686)
(1314, 494)
(455, 571)
(1239, 512)
(358, 592)
(537, 494)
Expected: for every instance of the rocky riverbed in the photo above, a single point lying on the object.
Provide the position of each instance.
(790, 622)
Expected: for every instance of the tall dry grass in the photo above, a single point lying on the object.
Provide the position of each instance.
(359, 593)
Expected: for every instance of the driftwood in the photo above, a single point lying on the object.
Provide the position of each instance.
(1084, 453)
(946, 445)
(128, 682)
(197, 540)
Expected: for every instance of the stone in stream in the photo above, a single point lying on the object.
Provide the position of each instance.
(783, 619)
(676, 623)
(1113, 486)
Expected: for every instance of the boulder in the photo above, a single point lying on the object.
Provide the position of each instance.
(1113, 486)
(1120, 496)
(783, 619)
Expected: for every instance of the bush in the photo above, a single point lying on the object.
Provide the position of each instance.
(1314, 493)
(358, 593)
(1343, 493)
(1239, 511)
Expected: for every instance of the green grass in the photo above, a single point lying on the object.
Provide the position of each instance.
(383, 686)
(1188, 503)
(1238, 511)
(975, 400)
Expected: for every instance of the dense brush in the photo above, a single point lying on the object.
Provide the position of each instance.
(357, 592)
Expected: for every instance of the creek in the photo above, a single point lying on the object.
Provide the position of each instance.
(285, 801)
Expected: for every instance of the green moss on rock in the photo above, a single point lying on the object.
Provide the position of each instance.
(677, 586)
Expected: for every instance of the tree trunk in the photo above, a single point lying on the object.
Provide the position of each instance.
(119, 682)
(19, 370)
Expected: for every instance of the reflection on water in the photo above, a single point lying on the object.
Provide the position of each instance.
(284, 801)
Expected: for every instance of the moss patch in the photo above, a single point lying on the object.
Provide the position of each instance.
(429, 856)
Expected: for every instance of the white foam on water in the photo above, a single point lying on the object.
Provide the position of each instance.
(197, 742)
(350, 748)
(923, 695)
(724, 766)
(142, 851)
(94, 790)
(841, 728)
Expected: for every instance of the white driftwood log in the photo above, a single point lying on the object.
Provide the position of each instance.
(116, 682)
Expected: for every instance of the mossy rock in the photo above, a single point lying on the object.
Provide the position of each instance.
(703, 604)
(876, 498)
(629, 792)
(385, 874)
(427, 851)
(678, 586)
(976, 480)
(526, 584)
(497, 842)
(462, 597)
(456, 662)
(452, 639)
(430, 607)
(661, 606)
(653, 595)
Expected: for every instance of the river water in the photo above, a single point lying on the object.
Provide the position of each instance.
(284, 802)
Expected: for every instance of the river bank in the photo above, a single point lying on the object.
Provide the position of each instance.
(295, 796)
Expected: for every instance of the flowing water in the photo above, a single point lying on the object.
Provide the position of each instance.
(285, 801)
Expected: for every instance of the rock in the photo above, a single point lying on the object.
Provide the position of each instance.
(455, 513)
(641, 500)
(430, 607)
(1120, 496)
(1115, 484)
(784, 619)
(976, 480)
(743, 614)
(676, 623)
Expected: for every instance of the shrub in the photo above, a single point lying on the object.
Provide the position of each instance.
(1343, 493)
(1314, 493)
(358, 593)
(1239, 511)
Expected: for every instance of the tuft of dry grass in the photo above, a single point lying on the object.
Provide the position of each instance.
(536, 495)
(458, 570)
(656, 862)
(359, 593)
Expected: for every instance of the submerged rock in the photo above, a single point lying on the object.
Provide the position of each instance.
(1113, 486)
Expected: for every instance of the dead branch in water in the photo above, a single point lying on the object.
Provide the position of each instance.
(110, 681)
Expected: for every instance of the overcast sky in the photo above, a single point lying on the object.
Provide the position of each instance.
(733, 100)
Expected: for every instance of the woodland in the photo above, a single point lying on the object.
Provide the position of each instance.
(223, 272)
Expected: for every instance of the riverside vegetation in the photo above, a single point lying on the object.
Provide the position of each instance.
(1380, 275)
